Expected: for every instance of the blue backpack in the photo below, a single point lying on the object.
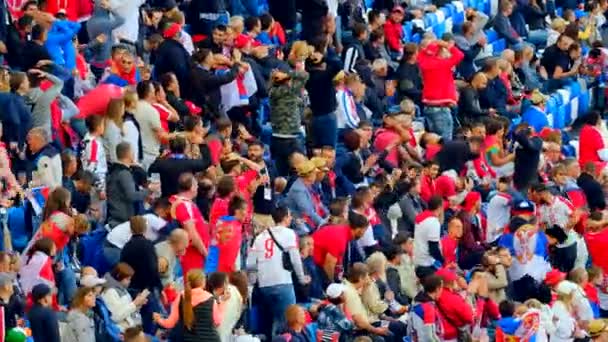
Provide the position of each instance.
(91, 252)
(105, 329)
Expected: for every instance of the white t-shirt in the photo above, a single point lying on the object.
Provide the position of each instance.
(149, 121)
(265, 256)
(427, 230)
(131, 135)
(121, 234)
(556, 213)
(499, 214)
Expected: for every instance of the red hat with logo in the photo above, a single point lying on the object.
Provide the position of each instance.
(172, 30)
(194, 109)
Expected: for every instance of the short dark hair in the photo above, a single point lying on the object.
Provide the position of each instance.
(200, 55)
(251, 23)
(357, 221)
(166, 79)
(266, 20)
(37, 31)
(279, 213)
(185, 181)
(220, 27)
(392, 251)
(28, 4)
(86, 177)
(432, 283)
(359, 29)
(373, 15)
(24, 21)
(190, 122)
(256, 143)
(225, 186)
(435, 202)
(376, 35)
(144, 88)
(506, 308)
(337, 206)
(93, 122)
(177, 145)
(122, 150)
(236, 203)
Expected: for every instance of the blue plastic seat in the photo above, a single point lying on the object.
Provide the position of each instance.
(491, 35)
(559, 118)
(583, 103)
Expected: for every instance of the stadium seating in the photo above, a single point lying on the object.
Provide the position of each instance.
(563, 106)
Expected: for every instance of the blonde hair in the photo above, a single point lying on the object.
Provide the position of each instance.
(533, 304)
(130, 97)
(301, 50)
(577, 275)
(237, 23)
(115, 111)
(379, 64)
(194, 279)
(376, 262)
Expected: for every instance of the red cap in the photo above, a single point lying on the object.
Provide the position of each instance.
(446, 274)
(172, 30)
(194, 109)
(470, 200)
(554, 277)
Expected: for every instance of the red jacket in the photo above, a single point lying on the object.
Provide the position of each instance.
(438, 75)
(393, 34)
(75, 10)
(455, 312)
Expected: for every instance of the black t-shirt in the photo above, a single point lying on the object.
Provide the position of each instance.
(554, 57)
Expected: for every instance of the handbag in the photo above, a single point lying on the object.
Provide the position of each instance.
(287, 265)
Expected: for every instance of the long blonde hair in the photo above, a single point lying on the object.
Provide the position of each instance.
(194, 279)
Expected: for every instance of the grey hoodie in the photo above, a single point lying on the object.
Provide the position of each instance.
(79, 328)
(102, 22)
(40, 102)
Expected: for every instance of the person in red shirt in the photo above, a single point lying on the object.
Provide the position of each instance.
(331, 244)
(390, 137)
(165, 111)
(228, 235)
(455, 312)
(246, 181)
(225, 189)
(449, 243)
(187, 214)
(427, 181)
(393, 31)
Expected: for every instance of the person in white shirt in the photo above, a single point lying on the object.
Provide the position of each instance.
(499, 209)
(129, 10)
(266, 257)
(121, 234)
(565, 323)
(427, 231)
(93, 156)
(150, 127)
(553, 210)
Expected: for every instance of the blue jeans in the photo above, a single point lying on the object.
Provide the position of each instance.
(324, 130)
(276, 299)
(66, 285)
(538, 37)
(440, 121)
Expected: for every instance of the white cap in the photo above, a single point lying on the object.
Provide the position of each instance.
(334, 290)
(566, 287)
(91, 281)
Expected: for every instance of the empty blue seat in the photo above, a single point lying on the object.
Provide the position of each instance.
(579, 13)
(416, 38)
(491, 35)
(407, 30)
(447, 12)
(439, 29)
(559, 118)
